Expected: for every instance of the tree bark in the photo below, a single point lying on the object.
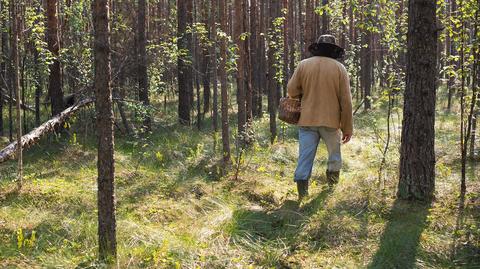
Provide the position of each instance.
(452, 52)
(16, 88)
(366, 67)
(309, 25)
(325, 21)
(143, 86)
(206, 58)
(103, 104)
(272, 83)
(213, 54)
(241, 97)
(185, 75)
(301, 24)
(417, 151)
(55, 81)
(222, 9)
(248, 72)
(255, 53)
(3, 66)
(38, 87)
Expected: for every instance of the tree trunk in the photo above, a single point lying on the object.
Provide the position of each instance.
(285, 49)
(325, 22)
(248, 72)
(241, 97)
(9, 152)
(262, 59)
(452, 52)
(206, 58)
(417, 151)
(343, 41)
(142, 62)
(255, 54)
(309, 25)
(222, 9)
(3, 66)
(213, 54)
(55, 81)
(105, 161)
(185, 75)
(272, 83)
(301, 24)
(38, 87)
(366, 67)
(16, 88)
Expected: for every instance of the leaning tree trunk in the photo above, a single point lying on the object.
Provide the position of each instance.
(142, 62)
(55, 84)
(10, 151)
(105, 163)
(417, 152)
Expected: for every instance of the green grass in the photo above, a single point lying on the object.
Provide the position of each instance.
(175, 210)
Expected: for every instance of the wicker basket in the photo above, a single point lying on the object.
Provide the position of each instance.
(289, 110)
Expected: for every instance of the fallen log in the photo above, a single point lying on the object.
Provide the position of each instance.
(49, 126)
(7, 99)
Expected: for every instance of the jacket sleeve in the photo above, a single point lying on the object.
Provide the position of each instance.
(294, 86)
(345, 100)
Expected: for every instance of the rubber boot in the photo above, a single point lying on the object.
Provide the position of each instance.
(302, 188)
(332, 177)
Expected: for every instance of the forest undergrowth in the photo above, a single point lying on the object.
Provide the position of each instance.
(175, 209)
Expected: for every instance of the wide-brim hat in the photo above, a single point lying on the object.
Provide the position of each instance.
(326, 45)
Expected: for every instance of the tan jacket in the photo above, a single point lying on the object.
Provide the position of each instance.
(324, 86)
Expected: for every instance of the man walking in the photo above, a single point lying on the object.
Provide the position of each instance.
(322, 84)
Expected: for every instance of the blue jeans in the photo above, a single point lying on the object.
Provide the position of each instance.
(309, 137)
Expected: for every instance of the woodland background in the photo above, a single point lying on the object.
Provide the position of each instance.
(203, 168)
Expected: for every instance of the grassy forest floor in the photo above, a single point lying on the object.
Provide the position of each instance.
(174, 210)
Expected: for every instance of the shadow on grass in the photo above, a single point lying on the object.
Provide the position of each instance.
(284, 223)
(466, 239)
(400, 241)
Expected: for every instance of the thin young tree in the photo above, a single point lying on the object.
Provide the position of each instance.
(213, 54)
(248, 71)
(222, 13)
(16, 86)
(241, 92)
(105, 163)
(55, 81)
(417, 151)
(3, 65)
(143, 95)
(273, 13)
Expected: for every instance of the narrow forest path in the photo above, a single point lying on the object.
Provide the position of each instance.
(174, 211)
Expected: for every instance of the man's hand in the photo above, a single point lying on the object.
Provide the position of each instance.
(346, 138)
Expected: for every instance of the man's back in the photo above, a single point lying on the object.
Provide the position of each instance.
(324, 86)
